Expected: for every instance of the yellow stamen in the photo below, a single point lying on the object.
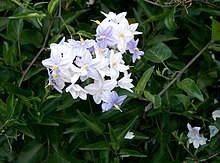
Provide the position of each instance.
(100, 89)
(114, 64)
(135, 49)
(116, 106)
(86, 66)
(55, 76)
(101, 50)
(102, 37)
(121, 35)
(82, 40)
(55, 67)
(97, 22)
(115, 51)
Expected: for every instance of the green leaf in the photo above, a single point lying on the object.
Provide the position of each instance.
(189, 86)
(35, 39)
(143, 81)
(28, 154)
(48, 122)
(104, 156)
(25, 130)
(85, 34)
(169, 21)
(80, 127)
(160, 38)
(6, 5)
(114, 140)
(14, 29)
(129, 152)
(215, 30)
(121, 134)
(92, 123)
(9, 54)
(158, 53)
(52, 6)
(10, 105)
(3, 23)
(156, 100)
(184, 99)
(101, 145)
(56, 158)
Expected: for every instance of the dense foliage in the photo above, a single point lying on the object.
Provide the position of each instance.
(176, 83)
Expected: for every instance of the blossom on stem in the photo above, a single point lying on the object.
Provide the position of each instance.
(194, 136)
(132, 47)
(116, 64)
(77, 91)
(125, 82)
(129, 135)
(114, 102)
(101, 89)
(216, 114)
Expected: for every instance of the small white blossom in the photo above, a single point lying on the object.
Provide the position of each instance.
(194, 136)
(216, 114)
(129, 135)
(77, 91)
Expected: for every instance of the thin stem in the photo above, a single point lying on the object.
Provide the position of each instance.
(204, 160)
(157, 4)
(38, 54)
(61, 18)
(149, 106)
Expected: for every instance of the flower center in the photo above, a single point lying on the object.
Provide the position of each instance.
(97, 22)
(86, 66)
(82, 40)
(114, 64)
(116, 106)
(102, 37)
(55, 76)
(121, 35)
(55, 67)
(100, 89)
(101, 50)
(135, 49)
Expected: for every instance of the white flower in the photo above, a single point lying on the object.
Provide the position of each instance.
(125, 82)
(216, 114)
(101, 89)
(116, 64)
(194, 136)
(129, 135)
(213, 131)
(76, 91)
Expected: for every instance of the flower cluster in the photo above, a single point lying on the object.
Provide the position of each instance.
(74, 61)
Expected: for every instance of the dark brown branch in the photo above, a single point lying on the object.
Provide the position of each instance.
(38, 54)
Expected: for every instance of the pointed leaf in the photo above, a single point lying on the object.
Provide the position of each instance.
(189, 86)
(215, 30)
(92, 123)
(29, 152)
(101, 145)
(143, 81)
(156, 100)
(129, 152)
(184, 99)
(127, 127)
(52, 6)
(158, 53)
(114, 140)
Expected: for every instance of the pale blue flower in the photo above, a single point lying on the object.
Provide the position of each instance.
(132, 47)
(114, 102)
(104, 36)
(194, 136)
(80, 47)
(216, 114)
(213, 131)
